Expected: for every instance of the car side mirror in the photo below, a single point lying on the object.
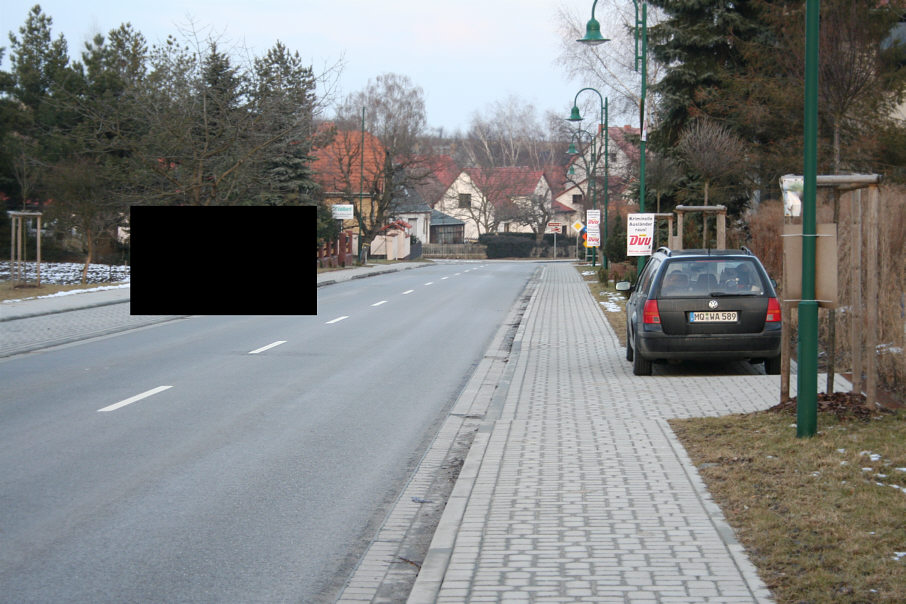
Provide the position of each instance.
(624, 286)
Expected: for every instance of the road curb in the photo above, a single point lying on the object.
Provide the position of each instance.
(45, 313)
(434, 568)
(395, 268)
(379, 576)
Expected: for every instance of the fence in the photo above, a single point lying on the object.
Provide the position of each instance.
(477, 251)
(336, 253)
(454, 250)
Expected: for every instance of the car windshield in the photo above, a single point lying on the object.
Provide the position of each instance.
(711, 277)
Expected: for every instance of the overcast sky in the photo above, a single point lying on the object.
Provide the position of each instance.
(464, 54)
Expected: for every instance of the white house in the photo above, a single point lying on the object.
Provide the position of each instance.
(491, 199)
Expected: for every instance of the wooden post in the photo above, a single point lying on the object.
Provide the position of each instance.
(785, 349)
(871, 294)
(12, 246)
(39, 250)
(855, 304)
(722, 229)
(20, 269)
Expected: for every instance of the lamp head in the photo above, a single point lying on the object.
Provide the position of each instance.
(574, 115)
(593, 35)
(572, 149)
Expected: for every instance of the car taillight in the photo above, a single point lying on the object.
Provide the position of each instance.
(650, 314)
(773, 314)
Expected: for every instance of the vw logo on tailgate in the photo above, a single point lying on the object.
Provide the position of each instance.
(712, 304)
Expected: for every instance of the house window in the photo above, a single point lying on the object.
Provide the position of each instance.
(465, 200)
(577, 200)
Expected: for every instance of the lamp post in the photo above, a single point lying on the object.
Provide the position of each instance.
(575, 116)
(593, 37)
(807, 379)
(587, 171)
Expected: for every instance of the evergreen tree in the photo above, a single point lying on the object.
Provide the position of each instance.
(616, 240)
(698, 42)
(36, 123)
(283, 89)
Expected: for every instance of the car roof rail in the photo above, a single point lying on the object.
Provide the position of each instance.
(746, 250)
(667, 251)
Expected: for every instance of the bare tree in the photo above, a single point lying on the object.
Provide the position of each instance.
(84, 203)
(509, 135)
(714, 153)
(535, 212)
(613, 64)
(661, 175)
(395, 114)
(855, 84)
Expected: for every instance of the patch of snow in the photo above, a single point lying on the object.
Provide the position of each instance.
(69, 273)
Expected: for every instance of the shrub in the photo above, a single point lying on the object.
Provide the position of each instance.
(508, 246)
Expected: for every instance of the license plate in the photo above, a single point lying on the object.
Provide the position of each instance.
(713, 317)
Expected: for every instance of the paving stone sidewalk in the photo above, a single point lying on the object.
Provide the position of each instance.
(578, 490)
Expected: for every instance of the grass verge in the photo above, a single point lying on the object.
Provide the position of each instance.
(823, 519)
(9, 292)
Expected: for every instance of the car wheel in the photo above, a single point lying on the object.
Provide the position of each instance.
(772, 365)
(640, 366)
(628, 346)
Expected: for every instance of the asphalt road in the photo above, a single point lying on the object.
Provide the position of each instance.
(233, 459)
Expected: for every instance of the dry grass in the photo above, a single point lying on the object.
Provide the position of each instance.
(821, 518)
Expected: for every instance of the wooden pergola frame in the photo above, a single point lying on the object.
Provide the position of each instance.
(17, 246)
(854, 183)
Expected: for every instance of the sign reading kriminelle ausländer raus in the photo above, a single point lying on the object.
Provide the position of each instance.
(640, 235)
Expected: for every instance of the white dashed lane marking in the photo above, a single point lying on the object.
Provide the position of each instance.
(134, 399)
(268, 347)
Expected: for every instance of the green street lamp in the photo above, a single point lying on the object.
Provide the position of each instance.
(593, 30)
(593, 40)
(575, 116)
(807, 378)
(589, 174)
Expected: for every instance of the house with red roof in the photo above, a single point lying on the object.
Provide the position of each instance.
(350, 168)
(437, 174)
(498, 200)
(622, 160)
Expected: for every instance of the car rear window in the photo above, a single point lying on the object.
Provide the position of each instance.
(711, 276)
